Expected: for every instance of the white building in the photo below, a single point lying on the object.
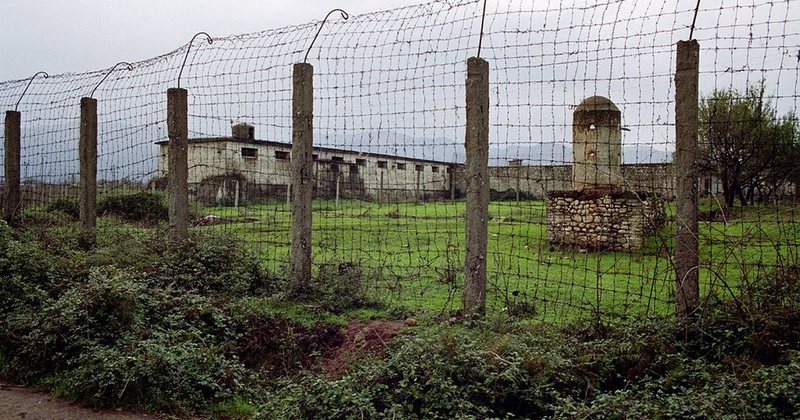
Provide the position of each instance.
(224, 169)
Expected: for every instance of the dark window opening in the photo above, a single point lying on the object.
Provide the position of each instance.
(361, 162)
(249, 152)
(419, 168)
(353, 169)
(337, 159)
(401, 166)
(281, 155)
(315, 156)
(434, 169)
(251, 133)
(383, 164)
(335, 167)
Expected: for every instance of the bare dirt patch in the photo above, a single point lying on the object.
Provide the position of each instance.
(361, 339)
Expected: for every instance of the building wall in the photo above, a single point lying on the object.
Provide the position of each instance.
(263, 172)
(537, 181)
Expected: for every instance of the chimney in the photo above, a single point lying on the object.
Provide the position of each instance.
(243, 131)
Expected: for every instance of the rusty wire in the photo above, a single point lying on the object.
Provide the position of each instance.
(29, 85)
(345, 16)
(111, 70)
(188, 48)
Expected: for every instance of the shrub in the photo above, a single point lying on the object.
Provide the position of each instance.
(141, 336)
(166, 371)
(65, 205)
(143, 206)
(740, 358)
(213, 263)
(337, 288)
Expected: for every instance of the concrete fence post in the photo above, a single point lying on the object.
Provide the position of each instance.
(301, 180)
(687, 291)
(477, 179)
(12, 196)
(178, 176)
(87, 150)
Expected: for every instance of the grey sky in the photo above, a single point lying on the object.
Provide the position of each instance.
(391, 83)
(60, 36)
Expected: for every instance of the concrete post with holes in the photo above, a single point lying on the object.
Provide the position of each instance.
(302, 166)
(687, 290)
(11, 148)
(178, 175)
(87, 151)
(477, 180)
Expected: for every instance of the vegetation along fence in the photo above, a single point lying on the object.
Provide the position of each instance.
(556, 160)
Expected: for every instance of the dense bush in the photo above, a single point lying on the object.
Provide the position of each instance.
(740, 358)
(65, 205)
(143, 206)
(151, 326)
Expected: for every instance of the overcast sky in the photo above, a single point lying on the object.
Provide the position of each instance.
(388, 83)
(59, 36)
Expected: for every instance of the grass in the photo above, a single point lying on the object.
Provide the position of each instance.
(411, 255)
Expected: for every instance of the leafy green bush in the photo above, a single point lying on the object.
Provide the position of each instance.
(156, 334)
(65, 205)
(143, 206)
(338, 287)
(740, 358)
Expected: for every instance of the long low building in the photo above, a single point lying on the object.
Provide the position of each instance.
(240, 168)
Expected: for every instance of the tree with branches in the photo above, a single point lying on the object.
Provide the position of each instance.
(744, 143)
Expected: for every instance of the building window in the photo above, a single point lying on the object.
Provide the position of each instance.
(419, 168)
(383, 164)
(401, 166)
(353, 169)
(315, 157)
(249, 152)
(335, 168)
(337, 159)
(281, 155)
(434, 169)
(449, 169)
(361, 162)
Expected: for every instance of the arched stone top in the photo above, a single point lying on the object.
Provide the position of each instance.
(597, 103)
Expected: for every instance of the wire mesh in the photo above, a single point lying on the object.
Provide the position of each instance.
(389, 116)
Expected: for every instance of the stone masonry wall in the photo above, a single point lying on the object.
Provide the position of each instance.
(616, 221)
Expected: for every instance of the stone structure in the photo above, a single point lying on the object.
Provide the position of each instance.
(240, 169)
(598, 213)
(596, 145)
(602, 221)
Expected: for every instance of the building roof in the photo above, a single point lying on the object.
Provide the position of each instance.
(597, 103)
(320, 148)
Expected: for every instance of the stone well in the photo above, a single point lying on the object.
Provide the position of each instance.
(598, 213)
(614, 221)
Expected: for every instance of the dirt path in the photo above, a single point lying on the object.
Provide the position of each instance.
(23, 403)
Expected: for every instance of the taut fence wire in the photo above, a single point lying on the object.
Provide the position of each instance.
(581, 143)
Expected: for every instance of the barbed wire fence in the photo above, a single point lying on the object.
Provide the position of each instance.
(580, 218)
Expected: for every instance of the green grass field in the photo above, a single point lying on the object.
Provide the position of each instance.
(412, 254)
